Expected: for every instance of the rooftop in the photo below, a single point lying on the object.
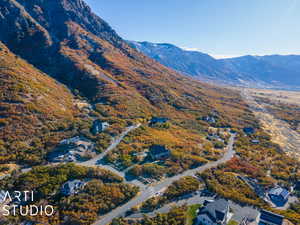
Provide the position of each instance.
(216, 209)
(271, 217)
(159, 120)
(279, 191)
(158, 149)
(249, 130)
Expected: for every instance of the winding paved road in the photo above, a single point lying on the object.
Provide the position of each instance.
(146, 191)
(239, 212)
(94, 161)
(150, 191)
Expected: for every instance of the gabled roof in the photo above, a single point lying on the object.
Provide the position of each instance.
(72, 184)
(158, 149)
(279, 191)
(249, 130)
(271, 217)
(159, 120)
(215, 210)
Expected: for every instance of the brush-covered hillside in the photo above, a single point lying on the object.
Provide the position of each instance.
(33, 109)
(72, 88)
(68, 42)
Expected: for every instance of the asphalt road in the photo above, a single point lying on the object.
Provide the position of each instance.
(239, 212)
(94, 161)
(151, 190)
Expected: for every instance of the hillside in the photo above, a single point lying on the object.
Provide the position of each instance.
(64, 70)
(33, 108)
(273, 71)
(65, 40)
(79, 49)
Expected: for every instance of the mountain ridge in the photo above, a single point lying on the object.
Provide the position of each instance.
(270, 71)
(65, 73)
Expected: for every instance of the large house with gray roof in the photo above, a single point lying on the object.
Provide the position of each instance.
(159, 152)
(214, 213)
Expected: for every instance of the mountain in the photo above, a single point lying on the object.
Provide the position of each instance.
(67, 44)
(268, 71)
(275, 71)
(34, 108)
(63, 71)
(188, 62)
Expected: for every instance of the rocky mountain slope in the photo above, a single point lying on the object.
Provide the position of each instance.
(274, 71)
(63, 69)
(66, 40)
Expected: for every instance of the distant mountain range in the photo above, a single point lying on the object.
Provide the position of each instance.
(273, 71)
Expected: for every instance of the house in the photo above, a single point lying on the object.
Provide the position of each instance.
(214, 213)
(250, 219)
(72, 187)
(209, 119)
(72, 149)
(249, 130)
(255, 141)
(159, 152)
(70, 141)
(158, 120)
(140, 155)
(269, 218)
(27, 223)
(77, 141)
(214, 137)
(279, 196)
(99, 126)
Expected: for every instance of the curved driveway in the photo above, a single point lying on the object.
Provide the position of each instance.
(113, 145)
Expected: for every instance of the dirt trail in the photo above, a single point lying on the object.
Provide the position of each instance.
(279, 130)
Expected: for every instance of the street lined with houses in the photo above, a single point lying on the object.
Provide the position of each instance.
(149, 191)
(237, 213)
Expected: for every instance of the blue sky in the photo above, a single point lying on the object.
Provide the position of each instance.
(218, 27)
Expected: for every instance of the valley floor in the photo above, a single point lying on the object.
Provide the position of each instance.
(280, 131)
